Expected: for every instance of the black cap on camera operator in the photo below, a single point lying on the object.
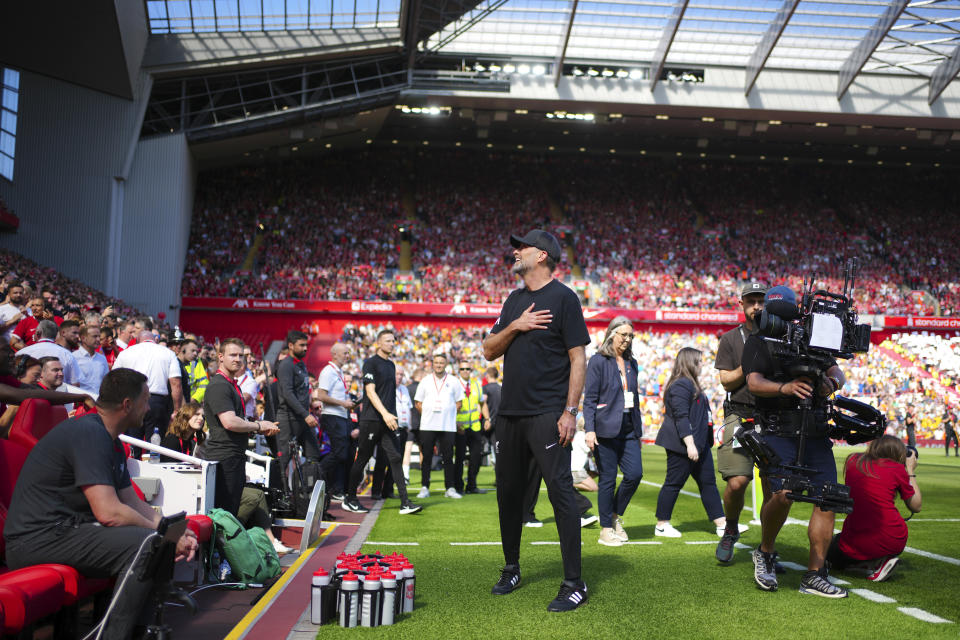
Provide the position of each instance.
(779, 396)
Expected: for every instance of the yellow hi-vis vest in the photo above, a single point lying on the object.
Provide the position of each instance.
(468, 418)
(197, 375)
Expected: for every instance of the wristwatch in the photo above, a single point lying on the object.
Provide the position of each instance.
(572, 411)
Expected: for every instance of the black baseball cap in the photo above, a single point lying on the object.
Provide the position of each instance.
(543, 240)
(752, 286)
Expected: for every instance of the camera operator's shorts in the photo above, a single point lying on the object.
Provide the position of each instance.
(817, 454)
(732, 462)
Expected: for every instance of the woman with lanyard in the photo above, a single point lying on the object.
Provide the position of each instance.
(613, 426)
(185, 432)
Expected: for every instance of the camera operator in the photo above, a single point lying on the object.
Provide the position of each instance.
(733, 462)
(779, 398)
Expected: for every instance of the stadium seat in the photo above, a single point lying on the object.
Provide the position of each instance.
(34, 420)
(27, 595)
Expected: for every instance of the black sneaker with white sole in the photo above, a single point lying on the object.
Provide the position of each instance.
(409, 507)
(337, 497)
(353, 505)
(816, 583)
(509, 580)
(764, 573)
(570, 597)
(724, 552)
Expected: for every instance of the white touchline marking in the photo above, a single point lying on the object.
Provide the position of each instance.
(699, 542)
(792, 565)
(543, 542)
(934, 519)
(740, 545)
(873, 596)
(395, 544)
(926, 616)
(642, 542)
(475, 544)
(835, 580)
(933, 556)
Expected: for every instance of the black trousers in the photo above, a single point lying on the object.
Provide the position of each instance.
(231, 476)
(472, 441)
(338, 430)
(157, 417)
(96, 552)
(383, 481)
(948, 436)
(532, 494)
(294, 429)
(444, 441)
(372, 434)
(520, 439)
(679, 468)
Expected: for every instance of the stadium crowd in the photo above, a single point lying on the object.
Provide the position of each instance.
(645, 233)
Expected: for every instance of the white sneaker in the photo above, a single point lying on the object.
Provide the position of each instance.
(666, 531)
(587, 521)
(424, 492)
(452, 493)
(740, 526)
(281, 548)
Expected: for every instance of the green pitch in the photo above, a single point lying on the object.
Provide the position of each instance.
(669, 590)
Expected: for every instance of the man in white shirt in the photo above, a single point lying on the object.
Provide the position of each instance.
(335, 419)
(125, 334)
(93, 365)
(11, 311)
(44, 346)
(438, 399)
(249, 387)
(162, 369)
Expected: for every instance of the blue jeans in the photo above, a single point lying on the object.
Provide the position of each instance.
(622, 451)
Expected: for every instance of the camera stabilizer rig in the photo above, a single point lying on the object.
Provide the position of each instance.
(803, 343)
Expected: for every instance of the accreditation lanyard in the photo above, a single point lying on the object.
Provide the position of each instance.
(339, 376)
(232, 382)
(439, 388)
(627, 394)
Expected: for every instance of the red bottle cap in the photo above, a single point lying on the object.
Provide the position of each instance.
(350, 577)
(321, 572)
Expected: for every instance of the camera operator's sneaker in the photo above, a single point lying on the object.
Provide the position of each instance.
(816, 583)
(764, 572)
(880, 572)
(509, 580)
(409, 507)
(424, 493)
(741, 528)
(570, 597)
(778, 568)
(725, 547)
(353, 505)
(452, 493)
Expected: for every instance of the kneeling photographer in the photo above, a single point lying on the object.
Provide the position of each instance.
(875, 534)
(792, 412)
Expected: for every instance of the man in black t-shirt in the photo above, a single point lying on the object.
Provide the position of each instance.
(73, 503)
(541, 333)
(293, 412)
(778, 396)
(229, 429)
(378, 416)
(949, 433)
(910, 423)
(733, 462)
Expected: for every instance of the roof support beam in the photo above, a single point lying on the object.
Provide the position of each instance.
(859, 56)
(768, 42)
(558, 63)
(666, 40)
(943, 75)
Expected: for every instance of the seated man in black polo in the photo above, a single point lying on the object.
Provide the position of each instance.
(74, 504)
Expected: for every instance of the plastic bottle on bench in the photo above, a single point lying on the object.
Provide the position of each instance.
(320, 605)
(409, 587)
(155, 439)
(349, 600)
(370, 601)
(389, 604)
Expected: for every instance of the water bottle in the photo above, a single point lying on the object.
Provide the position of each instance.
(409, 589)
(389, 605)
(320, 604)
(155, 439)
(349, 600)
(370, 601)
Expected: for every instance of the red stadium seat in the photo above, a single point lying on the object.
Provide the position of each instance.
(34, 420)
(27, 595)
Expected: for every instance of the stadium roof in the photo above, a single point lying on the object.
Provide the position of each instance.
(815, 35)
